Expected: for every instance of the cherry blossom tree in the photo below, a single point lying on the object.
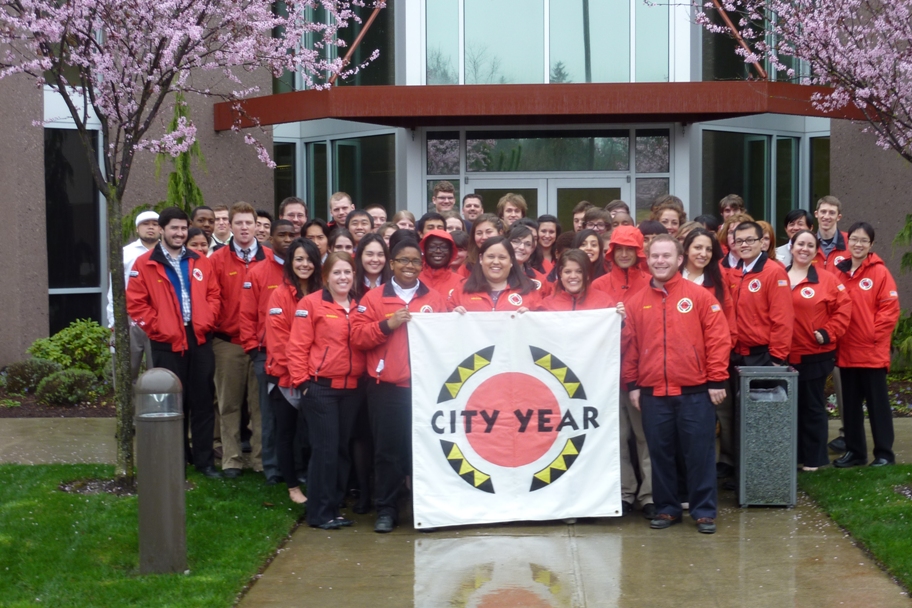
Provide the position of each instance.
(120, 61)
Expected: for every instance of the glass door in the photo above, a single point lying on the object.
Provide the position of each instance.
(533, 191)
(565, 193)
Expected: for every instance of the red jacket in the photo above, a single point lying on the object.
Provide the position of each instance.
(839, 253)
(320, 344)
(620, 284)
(153, 304)
(263, 279)
(675, 340)
(510, 299)
(728, 305)
(561, 300)
(442, 280)
(875, 311)
(763, 308)
(283, 302)
(540, 280)
(387, 349)
(231, 273)
(822, 304)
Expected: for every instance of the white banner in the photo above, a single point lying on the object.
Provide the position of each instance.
(515, 417)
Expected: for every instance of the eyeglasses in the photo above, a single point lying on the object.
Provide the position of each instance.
(522, 244)
(856, 241)
(593, 225)
(438, 247)
(408, 261)
(749, 241)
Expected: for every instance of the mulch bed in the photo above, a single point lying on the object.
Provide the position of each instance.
(103, 407)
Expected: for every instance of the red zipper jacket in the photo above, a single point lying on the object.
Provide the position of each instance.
(675, 340)
(561, 300)
(875, 311)
(153, 304)
(320, 344)
(728, 305)
(232, 275)
(822, 304)
(263, 279)
(387, 349)
(283, 302)
(840, 252)
(442, 280)
(763, 308)
(619, 284)
(510, 299)
(540, 281)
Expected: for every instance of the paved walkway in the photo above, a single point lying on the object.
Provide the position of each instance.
(759, 557)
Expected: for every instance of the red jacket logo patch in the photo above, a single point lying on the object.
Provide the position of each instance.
(426, 308)
(197, 274)
(866, 284)
(685, 305)
(807, 292)
(515, 299)
(754, 286)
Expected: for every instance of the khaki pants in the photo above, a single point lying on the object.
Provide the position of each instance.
(234, 378)
(631, 421)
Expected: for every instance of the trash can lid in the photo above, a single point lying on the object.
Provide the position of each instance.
(157, 381)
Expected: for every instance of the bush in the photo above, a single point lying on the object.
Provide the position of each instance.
(902, 343)
(24, 376)
(67, 387)
(82, 345)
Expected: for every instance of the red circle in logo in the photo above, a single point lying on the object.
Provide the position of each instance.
(505, 445)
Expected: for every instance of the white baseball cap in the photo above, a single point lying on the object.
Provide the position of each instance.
(145, 215)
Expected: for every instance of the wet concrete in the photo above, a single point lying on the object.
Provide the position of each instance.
(57, 440)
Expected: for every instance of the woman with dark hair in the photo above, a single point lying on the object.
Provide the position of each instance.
(497, 282)
(864, 351)
(572, 290)
(380, 329)
(549, 229)
(486, 225)
(371, 264)
(522, 238)
(591, 244)
(301, 276)
(561, 244)
(327, 370)
(197, 241)
(822, 312)
(342, 240)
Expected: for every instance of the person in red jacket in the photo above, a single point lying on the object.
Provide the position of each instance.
(327, 369)
(371, 264)
(379, 328)
(523, 238)
(864, 351)
(625, 251)
(439, 251)
(496, 282)
(675, 364)
(573, 290)
(832, 249)
(822, 312)
(763, 302)
(234, 377)
(174, 297)
(301, 275)
(264, 279)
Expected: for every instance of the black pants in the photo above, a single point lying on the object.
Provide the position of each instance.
(868, 386)
(390, 408)
(812, 422)
(330, 414)
(286, 419)
(195, 369)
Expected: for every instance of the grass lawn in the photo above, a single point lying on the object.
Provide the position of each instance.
(61, 549)
(863, 501)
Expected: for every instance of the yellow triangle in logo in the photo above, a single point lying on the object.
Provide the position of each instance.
(545, 362)
(480, 478)
(464, 373)
(465, 467)
(545, 475)
(480, 362)
(560, 373)
(571, 387)
(559, 464)
(455, 453)
(569, 450)
(453, 387)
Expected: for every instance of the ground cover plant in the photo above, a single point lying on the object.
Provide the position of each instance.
(70, 549)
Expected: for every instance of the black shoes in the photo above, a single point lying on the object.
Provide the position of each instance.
(723, 469)
(850, 459)
(649, 511)
(343, 522)
(211, 472)
(626, 507)
(706, 525)
(664, 520)
(881, 462)
(384, 524)
(232, 473)
(273, 480)
(838, 445)
(329, 525)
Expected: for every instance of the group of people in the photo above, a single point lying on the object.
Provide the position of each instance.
(299, 317)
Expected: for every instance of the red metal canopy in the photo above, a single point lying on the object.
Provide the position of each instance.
(531, 104)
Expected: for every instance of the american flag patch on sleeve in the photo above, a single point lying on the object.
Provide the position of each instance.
(893, 294)
(783, 283)
(715, 308)
(840, 287)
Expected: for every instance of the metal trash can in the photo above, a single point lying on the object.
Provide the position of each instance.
(767, 436)
(160, 472)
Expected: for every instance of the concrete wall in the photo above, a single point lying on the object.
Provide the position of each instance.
(23, 247)
(875, 186)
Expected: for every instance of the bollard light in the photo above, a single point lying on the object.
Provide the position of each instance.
(158, 398)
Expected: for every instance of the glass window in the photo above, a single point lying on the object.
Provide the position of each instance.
(504, 41)
(786, 182)
(380, 37)
(317, 184)
(736, 163)
(651, 41)
(365, 168)
(443, 153)
(721, 60)
(442, 42)
(653, 150)
(568, 198)
(286, 82)
(589, 41)
(648, 189)
(820, 169)
(72, 211)
(64, 308)
(547, 151)
(285, 178)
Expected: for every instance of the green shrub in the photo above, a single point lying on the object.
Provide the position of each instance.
(82, 345)
(24, 376)
(67, 387)
(902, 342)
